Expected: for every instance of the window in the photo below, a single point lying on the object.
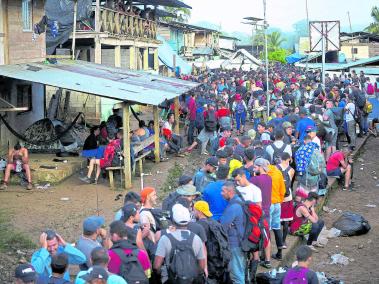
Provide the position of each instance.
(27, 15)
(355, 50)
(24, 96)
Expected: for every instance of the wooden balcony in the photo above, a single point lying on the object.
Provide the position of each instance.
(119, 24)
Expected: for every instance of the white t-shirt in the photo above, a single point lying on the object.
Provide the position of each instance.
(167, 125)
(146, 217)
(318, 142)
(350, 109)
(250, 193)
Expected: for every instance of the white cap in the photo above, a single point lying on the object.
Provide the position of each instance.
(180, 214)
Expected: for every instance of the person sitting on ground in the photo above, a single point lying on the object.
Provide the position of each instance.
(301, 271)
(99, 257)
(59, 265)
(102, 163)
(25, 274)
(205, 175)
(89, 240)
(306, 221)
(18, 161)
(91, 147)
(51, 244)
(339, 165)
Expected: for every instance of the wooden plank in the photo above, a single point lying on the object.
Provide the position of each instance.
(146, 58)
(117, 56)
(156, 60)
(97, 16)
(97, 51)
(156, 134)
(132, 58)
(176, 110)
(126, 140)
(4, 18)
(142, 145)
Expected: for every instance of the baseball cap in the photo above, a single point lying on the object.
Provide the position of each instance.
(311, 128)
(303, 110)
(287, 124)
(25, 272)
(221, 154)
(184, 179)
(92, 223)
(252, 133)
(95, 272)
(180, 214)
(128, 210)
(260, 162)
(212, 161)
(203, 207)
(226, 128)
(187, 190)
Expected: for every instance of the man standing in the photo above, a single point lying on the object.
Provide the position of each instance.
(18, 160)
(181, 250)
(302, 124)
(330, 119)
(233, 222)
(350, 121)
(89, 240)
(247, 190)
(205, 175)
(52, 244)
(191, 116)
(276, 149)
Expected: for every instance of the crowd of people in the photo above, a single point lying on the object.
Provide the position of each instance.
(263, 173)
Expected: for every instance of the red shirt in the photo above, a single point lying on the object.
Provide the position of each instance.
(192, 108)
(334, 161)
(223, 112)
(222, 142)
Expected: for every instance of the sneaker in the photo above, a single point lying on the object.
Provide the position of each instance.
(3, 186)
(266, 264)
(284, 246)
(29, 186)
(85, 179)
(318, 245)
(313, 248)
(205, 153)
(94, 181)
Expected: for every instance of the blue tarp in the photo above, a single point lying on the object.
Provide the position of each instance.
(165, 55)
(293, 58)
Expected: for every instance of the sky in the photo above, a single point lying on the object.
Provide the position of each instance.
(280, 13)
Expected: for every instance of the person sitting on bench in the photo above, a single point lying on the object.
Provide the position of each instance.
(18, 161)
(339, 165)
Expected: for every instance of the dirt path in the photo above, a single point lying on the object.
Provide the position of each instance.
(361, 250)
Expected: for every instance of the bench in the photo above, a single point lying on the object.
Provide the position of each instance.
(138, 147)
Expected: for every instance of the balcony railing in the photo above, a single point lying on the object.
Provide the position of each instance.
(122, 24)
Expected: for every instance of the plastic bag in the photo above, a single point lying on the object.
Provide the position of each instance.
(352, 224)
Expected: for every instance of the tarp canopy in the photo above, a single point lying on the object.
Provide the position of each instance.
(166, 57)
(293, 58)
(241, 59)
(109, 82)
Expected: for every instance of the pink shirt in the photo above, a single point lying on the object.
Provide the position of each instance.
(115, 262)
(192, 108)
(334, 161)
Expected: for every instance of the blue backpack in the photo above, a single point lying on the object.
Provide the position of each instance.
(240, 108)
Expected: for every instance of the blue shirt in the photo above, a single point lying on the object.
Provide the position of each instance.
(234, 222)
(212, 195)
(276, 122)
(201, 179)
(302, 125)
(41, 261)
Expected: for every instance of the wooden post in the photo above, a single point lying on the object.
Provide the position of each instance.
(156, 134)
(4, 19)
(117, 56)
(156, 60)
(126, 141)
(146, 59)
(174, 64)
(132, 58)
(176, 111)
(74, 30)
(97, 50)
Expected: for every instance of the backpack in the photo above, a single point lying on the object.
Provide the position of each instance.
(161, 218)
(117, 160)
(368, 107)
(199, 120)
(370, 89)
(276, 156)
(131, 269)
(254, 234)
(218, 252)
(314, 167)
(376, 87)
(240, 108)
(296, 276)
(109, 154)
(170, 201)
(287, 179)
(210, 122)
(182, 267)
(360, 99)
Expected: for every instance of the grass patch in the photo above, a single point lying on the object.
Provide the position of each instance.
(172, 179)
(10, 238)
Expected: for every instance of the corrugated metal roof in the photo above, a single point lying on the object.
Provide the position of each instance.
(341, 66)
(114, 83)
(202, 51)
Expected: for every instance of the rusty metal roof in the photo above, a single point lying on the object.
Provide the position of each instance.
(114, 83)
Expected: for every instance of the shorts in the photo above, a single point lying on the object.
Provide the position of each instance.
(335, 173)
(275, 211)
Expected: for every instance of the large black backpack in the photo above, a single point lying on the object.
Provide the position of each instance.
(277, 154)
(210, 122)
(131, 269)
(360, 99)
(183, 267)
(170, 201)
(161, 218)
(218, 251)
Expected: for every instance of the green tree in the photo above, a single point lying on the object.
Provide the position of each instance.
(274, 41)
(374, 27)
(182, 14)
(278, 55)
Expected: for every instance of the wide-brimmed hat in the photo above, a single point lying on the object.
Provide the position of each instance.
(187, 190)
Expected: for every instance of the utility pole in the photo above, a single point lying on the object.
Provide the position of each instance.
(306, 11)
(266, 57)
(352, 38)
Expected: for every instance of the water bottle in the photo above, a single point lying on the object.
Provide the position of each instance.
(18, 166)
(273, 273)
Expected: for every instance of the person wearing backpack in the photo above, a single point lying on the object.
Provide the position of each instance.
(351, 118)
(218, 253)
(233, 221)
(181, 250)
(126, 260)
(205, 175)
(208, 133)
(240, 110)
(301, 272)
(278, 147)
